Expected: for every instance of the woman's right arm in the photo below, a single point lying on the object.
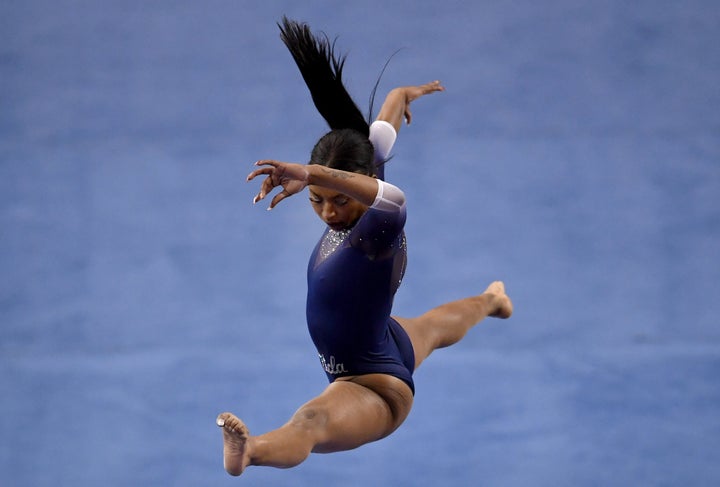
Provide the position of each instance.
(295, 177)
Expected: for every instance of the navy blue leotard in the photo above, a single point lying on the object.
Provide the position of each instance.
(352, 279)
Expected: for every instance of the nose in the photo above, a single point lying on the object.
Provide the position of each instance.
(328, 212)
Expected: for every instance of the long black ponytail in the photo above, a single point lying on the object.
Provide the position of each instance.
(322, 71)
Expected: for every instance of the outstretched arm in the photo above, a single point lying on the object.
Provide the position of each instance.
(295, 177)
(397, 103)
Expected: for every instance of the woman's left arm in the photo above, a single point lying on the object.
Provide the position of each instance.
(396, 106)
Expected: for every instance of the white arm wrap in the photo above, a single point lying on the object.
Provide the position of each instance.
(389, 197)
(382, 136)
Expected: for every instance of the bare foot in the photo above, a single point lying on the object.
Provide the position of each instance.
(235, 439)
(504, 305)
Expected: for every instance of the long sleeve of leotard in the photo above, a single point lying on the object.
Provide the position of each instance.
(378, 230)
(382, 137)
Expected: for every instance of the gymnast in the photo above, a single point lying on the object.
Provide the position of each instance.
(357, 266)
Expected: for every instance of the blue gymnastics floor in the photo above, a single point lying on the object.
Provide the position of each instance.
(575, 155)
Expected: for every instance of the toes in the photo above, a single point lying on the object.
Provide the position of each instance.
(224, 420)
(496, 287)
(231, 424)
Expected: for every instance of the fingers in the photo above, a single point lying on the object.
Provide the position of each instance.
(433, 86)
(268, 162)
(258, 172)
(292, 177)
(261, 196)
(265, 187)
(278, 198)
(267, 184)
(415, 92)
(264, 170)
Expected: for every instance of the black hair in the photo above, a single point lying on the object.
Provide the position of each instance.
(345, 149)
(346, 146)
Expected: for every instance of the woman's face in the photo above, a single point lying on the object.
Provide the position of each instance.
(337, 210)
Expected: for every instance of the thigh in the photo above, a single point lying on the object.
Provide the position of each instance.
(354, 414)
(423, 336)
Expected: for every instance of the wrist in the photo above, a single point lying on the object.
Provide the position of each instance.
(312, 173)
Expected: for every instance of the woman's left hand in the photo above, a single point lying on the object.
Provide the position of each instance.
(291, 176)
(396, 106)
(412, 93)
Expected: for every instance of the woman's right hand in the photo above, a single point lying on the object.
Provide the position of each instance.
(291, 176)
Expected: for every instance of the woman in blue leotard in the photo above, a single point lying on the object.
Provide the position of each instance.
(356, 268)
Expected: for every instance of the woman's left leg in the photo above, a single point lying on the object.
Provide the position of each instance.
(447, 324)
(348, 414)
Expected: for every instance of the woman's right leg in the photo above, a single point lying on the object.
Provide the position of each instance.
(348, 414)
(447, 324)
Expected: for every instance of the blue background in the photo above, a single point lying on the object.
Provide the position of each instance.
(575, 155)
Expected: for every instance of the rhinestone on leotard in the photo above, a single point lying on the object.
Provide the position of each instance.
(332, 240)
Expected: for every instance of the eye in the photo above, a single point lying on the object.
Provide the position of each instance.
(341, 200)
(315, 199)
